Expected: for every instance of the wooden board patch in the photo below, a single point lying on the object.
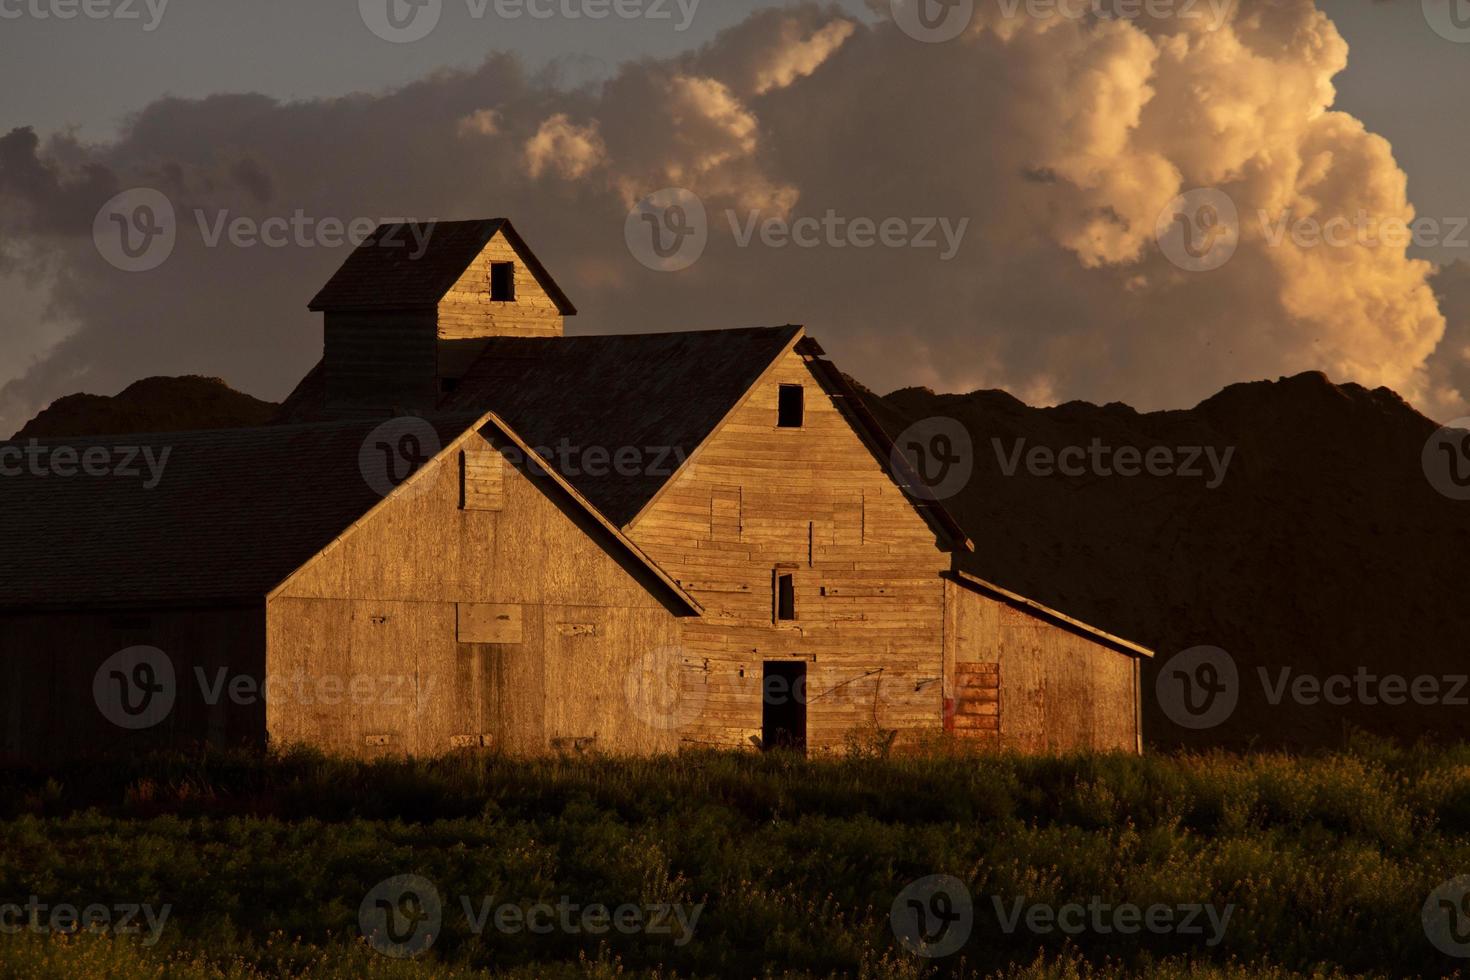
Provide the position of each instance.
(484, 623)
(974, 712)
(482, 480)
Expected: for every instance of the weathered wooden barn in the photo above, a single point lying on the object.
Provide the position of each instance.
(698, 539)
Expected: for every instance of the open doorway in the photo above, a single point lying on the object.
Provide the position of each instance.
(783, 712)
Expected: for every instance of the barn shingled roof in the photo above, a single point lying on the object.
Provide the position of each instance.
(235, 513)
(387, 270)
(654, 392)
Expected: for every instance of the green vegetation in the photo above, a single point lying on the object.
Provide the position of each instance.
(1327, 861)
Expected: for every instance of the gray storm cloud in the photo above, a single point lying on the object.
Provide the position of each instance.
(1059, 140)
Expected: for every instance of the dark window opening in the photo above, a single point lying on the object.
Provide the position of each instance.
(783, 705)
(792, 410)
(503, 282)
(785, 597)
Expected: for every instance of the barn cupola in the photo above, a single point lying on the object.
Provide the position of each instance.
(415, 304)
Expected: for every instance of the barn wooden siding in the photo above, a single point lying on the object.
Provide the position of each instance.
(48, 661)
(1059, 690)
(467, 310)
(757, 501)
(520, 625)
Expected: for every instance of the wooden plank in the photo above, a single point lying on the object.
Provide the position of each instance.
(489, 623)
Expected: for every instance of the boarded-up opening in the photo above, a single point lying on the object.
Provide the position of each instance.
(791, 411)
(783, 705)
(503, 282)
(482, 480)
(977, 701)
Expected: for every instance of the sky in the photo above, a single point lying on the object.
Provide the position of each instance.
(1030, 168)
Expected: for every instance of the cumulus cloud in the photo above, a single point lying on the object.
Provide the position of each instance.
(562, 146)
(1060, 141)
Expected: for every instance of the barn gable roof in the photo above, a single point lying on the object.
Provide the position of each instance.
(655, 397)
(410, 265)
(658, 396)
(235, 513)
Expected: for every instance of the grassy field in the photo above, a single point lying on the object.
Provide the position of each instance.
(763, 866)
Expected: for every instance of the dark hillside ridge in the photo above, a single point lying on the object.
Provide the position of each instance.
(1325, 548)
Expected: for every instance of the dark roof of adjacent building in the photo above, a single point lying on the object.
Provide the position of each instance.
(410, 265)
(659, 394)
(234, 514)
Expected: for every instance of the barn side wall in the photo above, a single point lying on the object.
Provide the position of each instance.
(50, 664)
(759, 501)
(523, 628)
(1058, 690)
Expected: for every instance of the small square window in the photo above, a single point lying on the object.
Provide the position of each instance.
(785, 597)
(503, 282)
(791, 412)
